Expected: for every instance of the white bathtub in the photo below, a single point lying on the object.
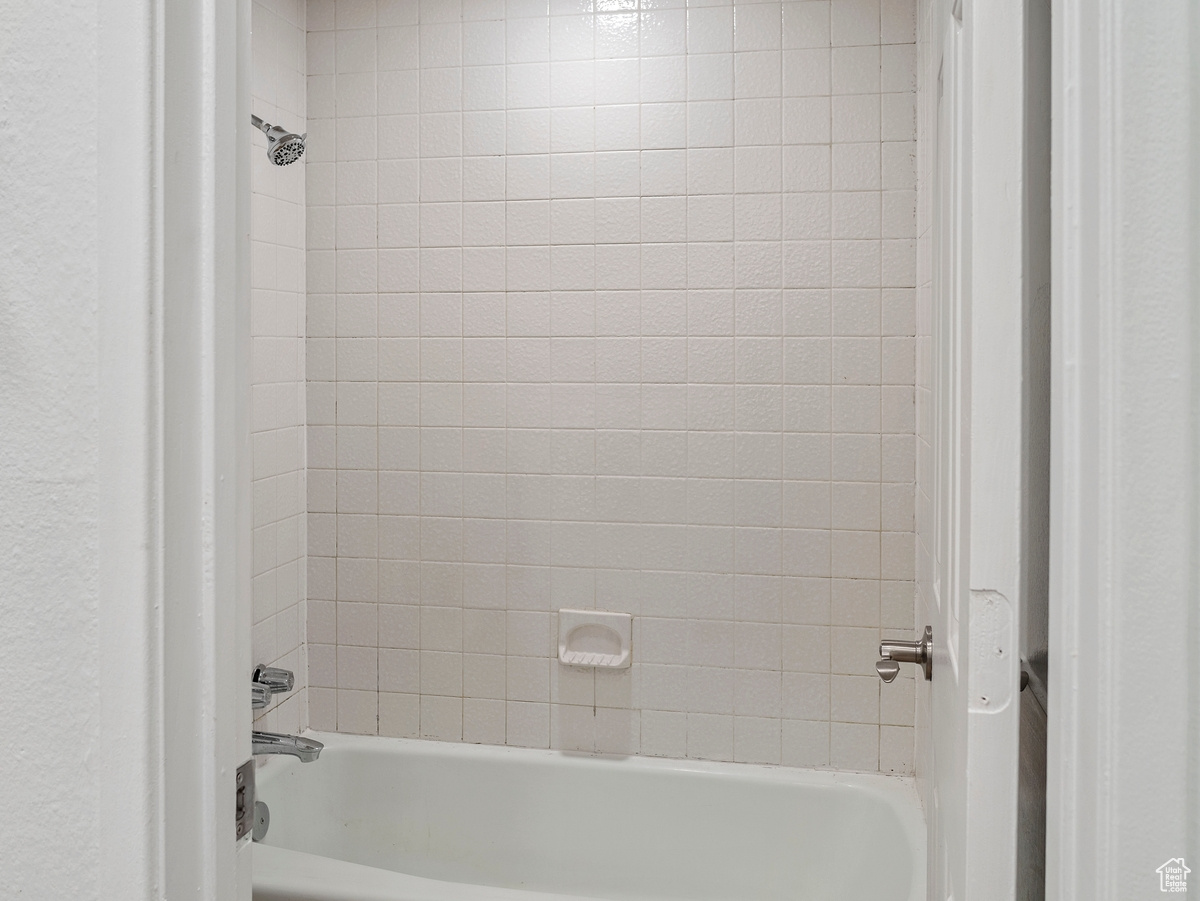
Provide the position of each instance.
(379, 819)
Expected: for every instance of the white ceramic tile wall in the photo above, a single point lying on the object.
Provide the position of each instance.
(277, 306)
(613, 306)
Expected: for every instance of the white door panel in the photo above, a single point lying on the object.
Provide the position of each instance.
(975, 137)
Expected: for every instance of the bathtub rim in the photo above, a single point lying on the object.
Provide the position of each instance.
(899, 793)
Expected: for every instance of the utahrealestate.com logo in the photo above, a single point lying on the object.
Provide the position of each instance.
(1172, 875)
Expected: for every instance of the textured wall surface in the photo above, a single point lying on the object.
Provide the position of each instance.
(613, 307)
(49, 512)
(277, 309)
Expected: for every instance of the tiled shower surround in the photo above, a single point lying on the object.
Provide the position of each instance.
(277, 303)
(612, 306)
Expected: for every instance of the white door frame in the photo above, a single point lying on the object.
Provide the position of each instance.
(173, 201)
(130, 581)
(1122, 586)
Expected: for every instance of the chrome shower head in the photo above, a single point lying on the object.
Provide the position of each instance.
(283, 147)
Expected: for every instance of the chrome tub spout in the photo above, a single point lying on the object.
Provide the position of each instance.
(306, 750)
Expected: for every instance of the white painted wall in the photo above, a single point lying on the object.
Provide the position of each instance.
(50, 494)
(77, 698)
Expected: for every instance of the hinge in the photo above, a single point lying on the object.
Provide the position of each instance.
(244, 803)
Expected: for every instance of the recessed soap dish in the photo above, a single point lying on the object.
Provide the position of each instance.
(595, 638)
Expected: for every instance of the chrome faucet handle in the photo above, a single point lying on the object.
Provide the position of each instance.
(260, 696)
(893, 653)
(887, 669)
(276, 681)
